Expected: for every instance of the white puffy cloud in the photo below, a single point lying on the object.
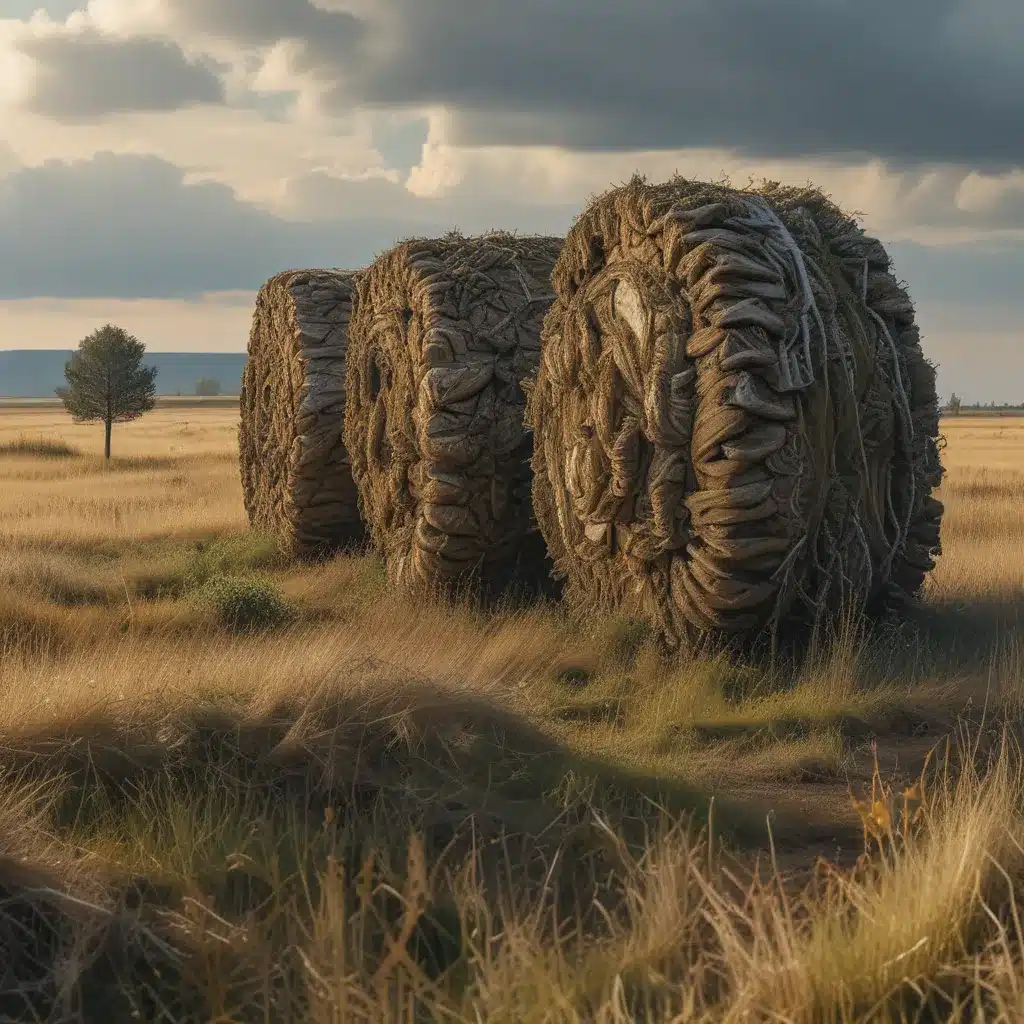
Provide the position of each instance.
(939, 203)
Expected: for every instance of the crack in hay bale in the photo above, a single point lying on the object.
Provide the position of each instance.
(296, 478)
(445, 332)
(735, 427)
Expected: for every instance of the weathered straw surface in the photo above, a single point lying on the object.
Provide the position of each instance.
(444, 333)
(735, 427)
(296, 479)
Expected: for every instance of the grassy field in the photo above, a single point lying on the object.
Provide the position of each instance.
(236, 790)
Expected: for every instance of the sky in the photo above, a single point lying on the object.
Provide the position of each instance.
(160, 159)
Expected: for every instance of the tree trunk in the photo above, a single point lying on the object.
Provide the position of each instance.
(107, 424)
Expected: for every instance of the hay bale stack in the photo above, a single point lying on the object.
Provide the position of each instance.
(444, 334)
(735, 427)
(296, 479)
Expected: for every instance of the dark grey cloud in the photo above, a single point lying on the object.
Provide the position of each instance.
(88, 75)
(987, 273)
(846, 77)
(265, 21)
(400, 141)
(914, 81)
(8, 159)
(329, 38)
(127, 226)
(918, 81)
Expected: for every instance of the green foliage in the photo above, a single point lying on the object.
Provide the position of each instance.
(954, 404)
(222, 576)
(243, 604)
(207, 387)
(107, 381)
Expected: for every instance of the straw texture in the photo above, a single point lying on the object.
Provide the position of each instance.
(735, 426)
(296, 479)
(444, 334)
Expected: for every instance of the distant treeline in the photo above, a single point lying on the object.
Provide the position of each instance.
(36, 373)
(984, 408)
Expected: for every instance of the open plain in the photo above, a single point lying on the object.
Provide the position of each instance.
(234, 789)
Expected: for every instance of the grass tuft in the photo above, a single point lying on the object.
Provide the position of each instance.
(40, 448)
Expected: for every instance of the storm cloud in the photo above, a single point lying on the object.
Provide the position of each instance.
(86, 75)
(921, 81)
(915, 82)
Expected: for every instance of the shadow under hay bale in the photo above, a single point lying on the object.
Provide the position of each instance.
(735, 427)
(296, 479)
(444, 334)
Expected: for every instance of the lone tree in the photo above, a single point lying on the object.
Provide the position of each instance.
(954, 404)
(107, 381)
(207, 387)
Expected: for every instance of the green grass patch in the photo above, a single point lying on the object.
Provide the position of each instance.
(180, 572)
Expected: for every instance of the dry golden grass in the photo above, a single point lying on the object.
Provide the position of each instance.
(375, 810)
(984, 495)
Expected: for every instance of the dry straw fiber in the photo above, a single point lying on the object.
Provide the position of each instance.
(444, 334)
(735, 427)
(296, 479)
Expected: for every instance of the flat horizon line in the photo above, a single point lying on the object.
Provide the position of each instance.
(153, 351)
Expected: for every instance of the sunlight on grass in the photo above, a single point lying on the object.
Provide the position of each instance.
(376, 808)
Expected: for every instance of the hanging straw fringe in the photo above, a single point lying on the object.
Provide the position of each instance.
(735, 427)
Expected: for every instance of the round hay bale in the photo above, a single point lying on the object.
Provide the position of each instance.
(296, 480)
(735, 427)
(444, 334)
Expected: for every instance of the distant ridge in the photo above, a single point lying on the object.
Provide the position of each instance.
(35, 373)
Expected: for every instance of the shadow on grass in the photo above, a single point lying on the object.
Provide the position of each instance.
(432, 760)
(246, 810)
(67, 588)
(228, 818)
(34, 629)
(952, 638)
(64, 958)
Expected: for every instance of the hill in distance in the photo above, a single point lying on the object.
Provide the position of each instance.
(36, 373)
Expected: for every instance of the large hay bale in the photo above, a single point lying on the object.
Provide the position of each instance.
(444, 333)
(735, 427)
(296, 479)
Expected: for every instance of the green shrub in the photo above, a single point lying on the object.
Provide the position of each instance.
(244, 604)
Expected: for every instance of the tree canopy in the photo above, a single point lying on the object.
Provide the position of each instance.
(107, 381)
